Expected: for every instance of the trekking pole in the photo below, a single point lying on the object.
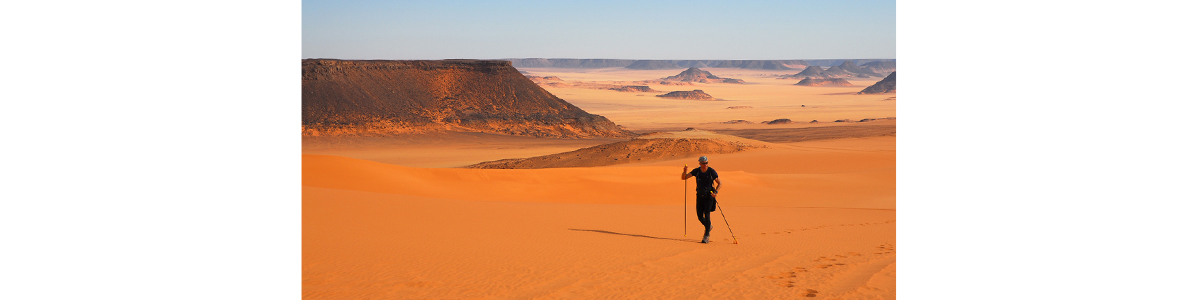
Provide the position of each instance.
(685, 204)
(726, 220)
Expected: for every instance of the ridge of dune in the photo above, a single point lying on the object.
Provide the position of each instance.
(635, 150)
(645, 148)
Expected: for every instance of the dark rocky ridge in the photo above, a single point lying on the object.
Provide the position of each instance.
(388, 97)
(887, 85)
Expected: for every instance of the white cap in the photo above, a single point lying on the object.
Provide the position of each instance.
(704, 159)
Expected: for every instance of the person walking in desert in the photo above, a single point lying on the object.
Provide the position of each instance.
(706, 201)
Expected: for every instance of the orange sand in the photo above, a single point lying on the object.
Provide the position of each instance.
(391, 220)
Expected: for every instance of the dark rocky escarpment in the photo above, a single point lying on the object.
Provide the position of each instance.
(388, 97)
(824, 82)
(688, 95)
(698, 75)
(887, 85)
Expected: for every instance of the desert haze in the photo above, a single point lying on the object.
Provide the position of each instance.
(559, 179)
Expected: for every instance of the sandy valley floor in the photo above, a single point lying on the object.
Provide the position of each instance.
(395, 218)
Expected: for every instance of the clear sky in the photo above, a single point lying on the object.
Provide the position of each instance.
(369, 29)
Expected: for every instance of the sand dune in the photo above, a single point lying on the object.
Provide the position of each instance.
(635, 150)
(808, 216)
(812, 205)
(408, 247)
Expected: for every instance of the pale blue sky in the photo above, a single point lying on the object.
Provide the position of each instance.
(609, 29)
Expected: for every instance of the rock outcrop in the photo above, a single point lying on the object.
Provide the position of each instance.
(824, 82)
(836, 72)
(390, 97)
(778, 121)
(702, 76)
(886, 85)
(811, 71)
(880, 67)
(860, 72)
(634, 88)
(688, 95)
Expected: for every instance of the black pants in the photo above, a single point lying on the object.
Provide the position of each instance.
(705, 204)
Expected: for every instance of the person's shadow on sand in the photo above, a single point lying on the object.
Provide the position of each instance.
(636, 235)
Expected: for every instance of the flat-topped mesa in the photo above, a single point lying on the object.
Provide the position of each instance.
(824, 82)
(688, 95)
(886, 85)
(390, 97)
(698, 75)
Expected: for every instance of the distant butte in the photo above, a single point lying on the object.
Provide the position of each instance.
(392, 97)
(811, 71)
(702, 76)
(688, 95)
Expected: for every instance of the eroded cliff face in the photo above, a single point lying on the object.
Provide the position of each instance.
(389, 97)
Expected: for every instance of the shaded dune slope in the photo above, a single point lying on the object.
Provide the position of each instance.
(637, 150)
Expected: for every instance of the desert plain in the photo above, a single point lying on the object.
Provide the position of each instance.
(808, 209)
